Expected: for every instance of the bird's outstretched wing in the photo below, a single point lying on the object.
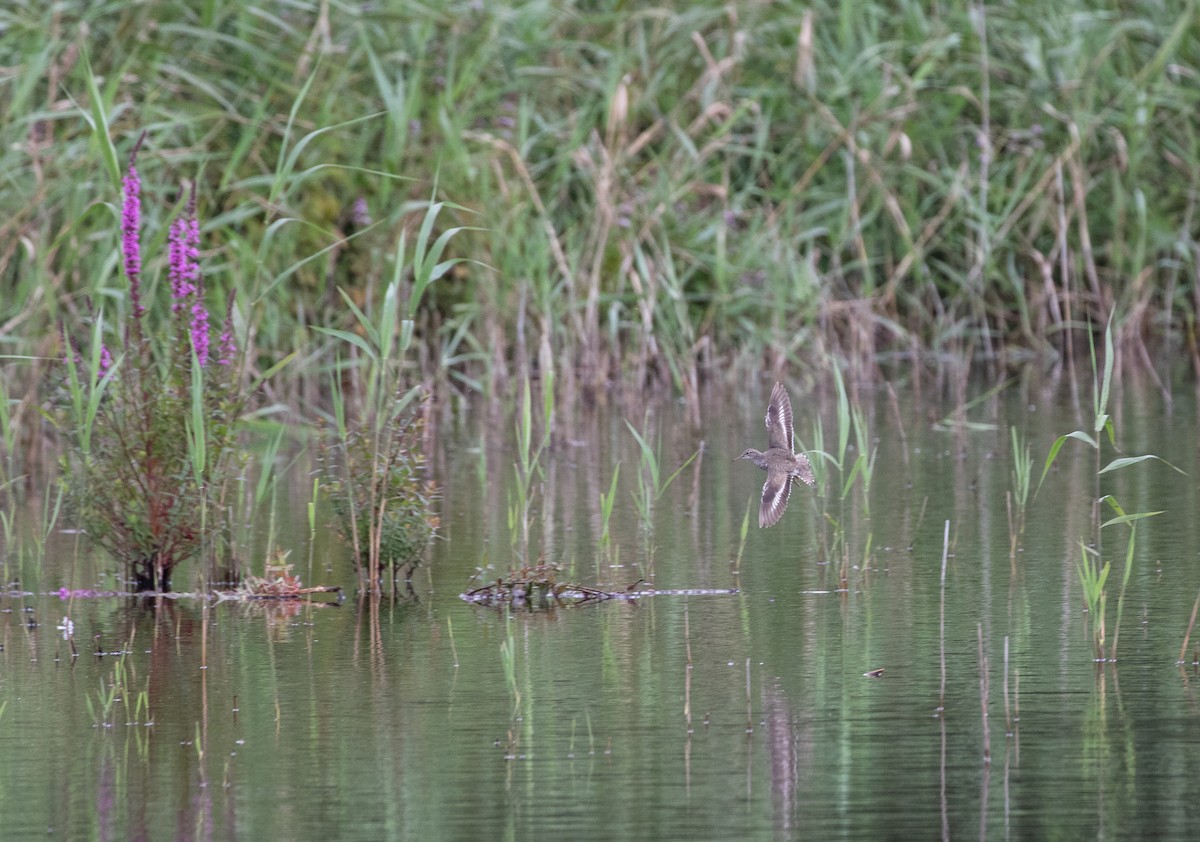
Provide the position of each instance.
(775, 494)
(779, 419)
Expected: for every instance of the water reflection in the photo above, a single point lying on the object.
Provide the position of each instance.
(719, 716)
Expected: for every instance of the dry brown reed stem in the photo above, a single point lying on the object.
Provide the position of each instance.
(983, 244)
(864, 157)
(983, 696)
(552, 238)
(604, 179)
(1079, 199)
(1008, 722)
(687, 672)
(894, 406)
(1061, 252)
(805, 75)
(1017, 702)
(1038, 191)
(319, 40)
(694, 495)
(928, 230)
(1191, 624)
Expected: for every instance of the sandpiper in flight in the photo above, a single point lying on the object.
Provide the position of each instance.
(782, 464)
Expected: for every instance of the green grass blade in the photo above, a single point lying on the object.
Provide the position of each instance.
(1126, 461)
(1078, 435)
(99, 123)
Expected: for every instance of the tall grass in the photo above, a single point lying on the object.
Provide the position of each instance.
(664, 193)
(1093, 569)
(374, 468)
(838, 471)
(650, 482)
(1018, 498)
(528, 471)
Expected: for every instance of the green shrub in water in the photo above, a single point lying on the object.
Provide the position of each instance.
(382, 504)
(153, 412)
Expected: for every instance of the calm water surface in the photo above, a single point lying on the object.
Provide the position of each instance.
(678, 717)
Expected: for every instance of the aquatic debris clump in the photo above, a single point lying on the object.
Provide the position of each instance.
(537, 586)
(82, 593)
(277, 582)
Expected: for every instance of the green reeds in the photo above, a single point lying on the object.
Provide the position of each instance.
(650, 484)
(743, 533)
(118, 692)
(527, 469)
(383, 504)
(1093, 575)
(837, 475)
(607, 500)
(8, 438)
(1017, 499)
(1093, 569)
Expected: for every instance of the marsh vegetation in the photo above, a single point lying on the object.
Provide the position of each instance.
(483, 297)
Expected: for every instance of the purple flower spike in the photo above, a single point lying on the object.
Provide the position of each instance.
(226, 347)
(200, 332)
(183, 271)
(182, 268)
(106, 361)
(131, 221)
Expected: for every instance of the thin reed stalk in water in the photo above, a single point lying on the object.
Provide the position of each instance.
(606, 505)
(312, 524)
(453, 648)
(1124, 585)
(1092, 577)
(749, 706)
(1008, 722)
(983, 697)
(687, 671)
(942, 617)
(737, 564)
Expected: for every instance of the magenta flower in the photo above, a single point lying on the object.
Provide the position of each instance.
(131, 221)
(183, 266)
(183, 271)
(73, 355)
(199, 329)
(360, 213)
(226, 347)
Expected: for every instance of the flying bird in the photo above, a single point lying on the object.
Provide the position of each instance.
(782, 464)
